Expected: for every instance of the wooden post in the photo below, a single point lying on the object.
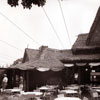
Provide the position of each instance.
(79, 75)
(27, 80)
(14, 81)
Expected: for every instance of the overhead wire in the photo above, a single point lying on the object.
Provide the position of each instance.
(31, 37)
(6, 57)
(3, 61)
(4, 64)
(53, 27)
(1, 53)
(10, 45)
(19, 28)
(64, 21)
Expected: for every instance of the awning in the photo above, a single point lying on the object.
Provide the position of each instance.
(57, 69)
(81, 64)
(94, 64)
(41, 65)
(68, 65)
(43, 69)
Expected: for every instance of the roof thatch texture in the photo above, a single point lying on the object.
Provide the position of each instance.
(22, 66)
(94, 34)
(80, 46)
(68, 57)
(53, 59)
(45, 58)
(52, 64)
(30, 54)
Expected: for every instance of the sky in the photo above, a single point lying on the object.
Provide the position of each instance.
(21, 28)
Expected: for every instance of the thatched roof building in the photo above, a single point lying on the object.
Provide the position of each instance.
(85, 51)
(53, 59)
(68, 57)
(80, 46)
(89, 43)
(94, 35)
(87, 48)
(42, 58)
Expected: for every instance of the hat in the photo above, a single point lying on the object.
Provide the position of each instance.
(5, 75)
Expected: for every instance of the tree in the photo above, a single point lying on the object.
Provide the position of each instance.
(18, 61)
(27, 3)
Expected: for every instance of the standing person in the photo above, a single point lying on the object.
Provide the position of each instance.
(4, 82)
(21, 83)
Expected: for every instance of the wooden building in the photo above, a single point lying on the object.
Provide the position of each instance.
(79, 65)
(89, 46)
(39, 67)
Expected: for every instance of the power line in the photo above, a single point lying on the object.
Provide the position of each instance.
(10, 45)
(1, 53)
(19, 28)
(6, 57)
(3, 61)
(64, 21)
(53, 27)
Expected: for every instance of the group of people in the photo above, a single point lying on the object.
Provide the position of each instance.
(5, 82)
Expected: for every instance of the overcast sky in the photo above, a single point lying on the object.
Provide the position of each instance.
(16, 22)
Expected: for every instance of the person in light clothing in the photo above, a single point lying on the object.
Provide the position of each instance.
(4, 83)
(21, 83)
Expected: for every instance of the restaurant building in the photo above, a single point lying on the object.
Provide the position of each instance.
(46, 66)
(89, 46)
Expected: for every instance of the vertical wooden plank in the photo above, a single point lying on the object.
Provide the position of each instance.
(27, 80)
(79, 75)
(14, 81)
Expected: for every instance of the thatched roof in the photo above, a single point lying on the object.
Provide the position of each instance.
(53, 59)
(68, 57)
(85, 49)
(52, 64)
(30, 54)
(89, 43)
(80, 46)
(22, 66)
(44, 58)
(94, 34)
(34, 54)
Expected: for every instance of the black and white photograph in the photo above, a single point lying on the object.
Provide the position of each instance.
(49, 49)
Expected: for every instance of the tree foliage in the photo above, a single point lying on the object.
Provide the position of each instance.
(27, 3)
(18, 61)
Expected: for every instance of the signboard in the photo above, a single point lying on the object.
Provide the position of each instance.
(95, 73)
